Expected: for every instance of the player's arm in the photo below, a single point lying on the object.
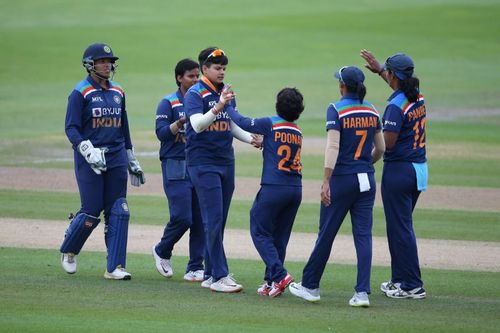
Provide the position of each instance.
(390, 139)
(373, 65)
(125, 126)
(166, 127)
(379, 146)
(193, 105)
(73, 122)
(393, 119)
(252, 125)
(331, 155)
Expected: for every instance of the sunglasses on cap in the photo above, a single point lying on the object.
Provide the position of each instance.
(215, 54)
(339, 74)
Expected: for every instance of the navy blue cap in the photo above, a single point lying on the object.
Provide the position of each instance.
(350, 75)
(400, 64)
(98, 51)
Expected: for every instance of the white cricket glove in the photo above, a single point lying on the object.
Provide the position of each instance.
(137, 177)
(94, 156)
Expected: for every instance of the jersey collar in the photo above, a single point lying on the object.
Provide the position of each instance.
(394, 94)
(350, 95)
(210, 85)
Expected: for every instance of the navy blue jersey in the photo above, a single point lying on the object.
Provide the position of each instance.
(98, 115)
(357, 123)
(169, 110)
(214, 145)
(281, 148)
(407, 119)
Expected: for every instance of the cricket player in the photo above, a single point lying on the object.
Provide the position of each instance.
(182, 200)
(354, 143)
(97, 127)
(276, 204)
(405, 172)
(210, 160)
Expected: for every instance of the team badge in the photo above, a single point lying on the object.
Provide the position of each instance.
(107, 49)
(125, 206)
(88, 224)
(117, 99)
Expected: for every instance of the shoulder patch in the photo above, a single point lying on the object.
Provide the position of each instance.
(116, 87)
(85, 88)
(173, 100)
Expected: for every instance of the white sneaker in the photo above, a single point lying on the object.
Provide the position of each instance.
(207, 283)
(417, 293)
(311, 295)
(195, 276)
(226, 284)
(68, 261)
(264, 289)
(118, 274)
(360, 299)
(163, 266)
(389, 285)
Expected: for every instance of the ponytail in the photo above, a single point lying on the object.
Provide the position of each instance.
(359, 90)
(411, 88)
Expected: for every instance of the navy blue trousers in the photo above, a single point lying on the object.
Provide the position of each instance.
(345, 197)
(214, 186)
(271, 220)
(184, 214)
(400, 195)
(99, 192)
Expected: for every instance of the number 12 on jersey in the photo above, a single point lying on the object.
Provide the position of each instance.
(419, 137)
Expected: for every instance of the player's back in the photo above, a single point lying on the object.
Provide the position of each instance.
(282, 148)
(358, 122)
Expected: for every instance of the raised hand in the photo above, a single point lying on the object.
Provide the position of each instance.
(371, 62)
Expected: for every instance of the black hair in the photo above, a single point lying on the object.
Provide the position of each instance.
(183, 66)
(289, 104)
(202, 58)
(410, 87)
(359, 89)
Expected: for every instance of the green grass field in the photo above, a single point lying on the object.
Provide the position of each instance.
(48, 300)
(271, 44)
(153, 210)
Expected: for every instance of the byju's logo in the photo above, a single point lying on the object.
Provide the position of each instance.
(96, 112)
(97, 99)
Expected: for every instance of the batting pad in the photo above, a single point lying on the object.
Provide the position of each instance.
(116, 234)
(77, 233)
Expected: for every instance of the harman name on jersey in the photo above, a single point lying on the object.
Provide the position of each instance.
(357, 123)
